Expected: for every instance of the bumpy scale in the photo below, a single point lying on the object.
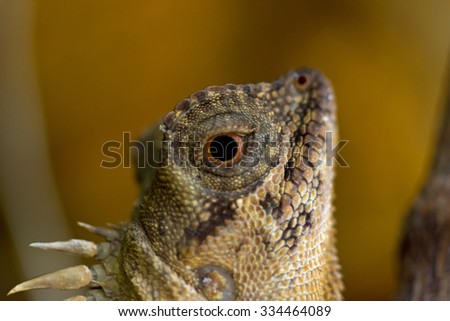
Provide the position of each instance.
(240, 208)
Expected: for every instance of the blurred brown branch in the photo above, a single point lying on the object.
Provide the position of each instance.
(425, 251)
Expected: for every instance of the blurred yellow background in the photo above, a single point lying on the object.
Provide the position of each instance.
(107, 67)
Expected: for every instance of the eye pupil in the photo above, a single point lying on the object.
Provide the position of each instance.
(302, 80)
(223, 148)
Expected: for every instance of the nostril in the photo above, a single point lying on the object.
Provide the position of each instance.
(303, 81)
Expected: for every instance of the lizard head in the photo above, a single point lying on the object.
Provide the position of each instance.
(240, 206)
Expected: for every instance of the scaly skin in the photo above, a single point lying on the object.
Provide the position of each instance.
(258, 227)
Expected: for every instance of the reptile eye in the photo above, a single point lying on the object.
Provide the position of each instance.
(303, 81)
(224, 149)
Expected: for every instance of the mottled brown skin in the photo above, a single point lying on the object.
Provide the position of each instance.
(256, 227)
(263, 225)
(425, 250)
